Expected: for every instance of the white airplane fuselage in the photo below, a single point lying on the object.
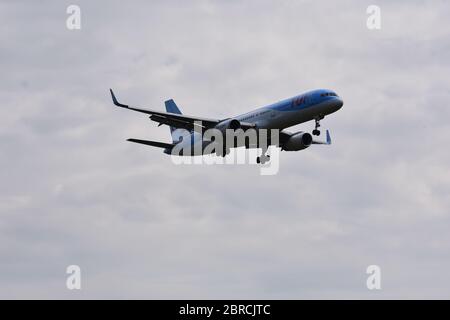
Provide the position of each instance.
(305, 107)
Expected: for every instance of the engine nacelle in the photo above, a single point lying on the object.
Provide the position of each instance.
(298, 141)
(229, 124)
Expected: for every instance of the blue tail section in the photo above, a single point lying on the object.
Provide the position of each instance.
(172, 108)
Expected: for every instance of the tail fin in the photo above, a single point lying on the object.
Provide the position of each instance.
(172, 108)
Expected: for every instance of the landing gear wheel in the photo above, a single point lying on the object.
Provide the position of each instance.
(263, 159)
(316, 132)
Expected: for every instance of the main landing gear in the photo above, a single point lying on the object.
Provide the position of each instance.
(316, 131)
(263, 158)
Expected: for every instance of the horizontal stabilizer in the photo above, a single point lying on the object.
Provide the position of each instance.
(153, 143)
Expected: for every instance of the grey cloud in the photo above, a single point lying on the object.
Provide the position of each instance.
(73, 191)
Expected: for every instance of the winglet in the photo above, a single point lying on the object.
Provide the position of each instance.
(328, 137)
(114, 99)
(327, 142)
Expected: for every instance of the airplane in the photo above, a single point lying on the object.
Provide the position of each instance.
(311, 105)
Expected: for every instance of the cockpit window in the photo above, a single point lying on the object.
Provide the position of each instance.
(329, 94)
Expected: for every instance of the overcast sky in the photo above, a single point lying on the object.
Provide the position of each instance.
(73, 191)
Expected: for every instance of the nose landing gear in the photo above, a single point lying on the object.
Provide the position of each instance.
(316, 131)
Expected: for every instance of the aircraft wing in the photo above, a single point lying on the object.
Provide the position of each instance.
(171, 119)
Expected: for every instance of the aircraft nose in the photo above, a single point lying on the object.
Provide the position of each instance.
(339, 103)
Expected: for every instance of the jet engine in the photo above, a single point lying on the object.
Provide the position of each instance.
(229, 124)
(298, 141)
